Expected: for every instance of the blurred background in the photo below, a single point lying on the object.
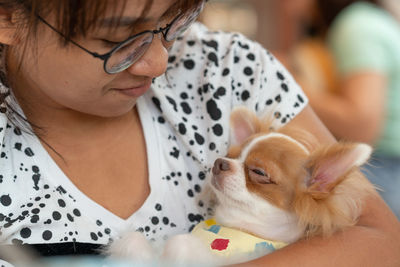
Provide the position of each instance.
(274, 23)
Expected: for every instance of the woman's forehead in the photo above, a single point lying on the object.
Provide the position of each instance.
(99, 15)
(129, 12)
(151, 8)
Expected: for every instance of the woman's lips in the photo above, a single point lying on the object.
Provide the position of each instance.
(134, 91)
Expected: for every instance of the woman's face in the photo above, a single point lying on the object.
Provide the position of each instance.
(68, 78)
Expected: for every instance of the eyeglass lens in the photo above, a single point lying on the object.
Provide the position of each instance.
(180, 25)
(128, 53)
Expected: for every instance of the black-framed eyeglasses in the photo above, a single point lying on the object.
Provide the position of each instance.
(127, 52)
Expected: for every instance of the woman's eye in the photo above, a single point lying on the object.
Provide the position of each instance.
(109, 43)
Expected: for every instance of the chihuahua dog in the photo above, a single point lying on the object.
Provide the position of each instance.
(280, 186)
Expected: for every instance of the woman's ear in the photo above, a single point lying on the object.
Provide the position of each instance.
(8, 27)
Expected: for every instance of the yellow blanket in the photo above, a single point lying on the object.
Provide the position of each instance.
(225, 241)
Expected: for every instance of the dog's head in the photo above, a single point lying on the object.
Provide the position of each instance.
(281, 185)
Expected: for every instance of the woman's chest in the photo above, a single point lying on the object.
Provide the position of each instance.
(44, 206)
(119, 184)
(157, 184)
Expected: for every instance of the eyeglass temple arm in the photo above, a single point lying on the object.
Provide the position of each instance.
(94, 54)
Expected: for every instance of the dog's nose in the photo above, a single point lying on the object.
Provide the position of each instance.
(220, 165)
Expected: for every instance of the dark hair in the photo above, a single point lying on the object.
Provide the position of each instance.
(74, 18)
(329, 9)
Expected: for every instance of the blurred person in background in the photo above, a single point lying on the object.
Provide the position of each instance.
(360, 100)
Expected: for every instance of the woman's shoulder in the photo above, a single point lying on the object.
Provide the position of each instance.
(229, 60)
(214, 71)
(211, 43)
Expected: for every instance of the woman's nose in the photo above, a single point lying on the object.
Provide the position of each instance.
(154, 61)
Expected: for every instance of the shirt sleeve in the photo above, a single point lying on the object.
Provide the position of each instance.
(357, 41)
(262, 83)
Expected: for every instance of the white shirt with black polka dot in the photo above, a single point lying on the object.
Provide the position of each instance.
(185, 118)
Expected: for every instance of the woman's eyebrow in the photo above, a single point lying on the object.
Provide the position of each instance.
(121, 21)
(126, 21)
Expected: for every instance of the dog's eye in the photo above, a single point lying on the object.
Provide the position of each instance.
(258, 172)
(259, 176)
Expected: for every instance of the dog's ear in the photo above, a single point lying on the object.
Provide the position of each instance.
(329, 166)
(243, 123)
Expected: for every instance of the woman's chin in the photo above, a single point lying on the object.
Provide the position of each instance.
(112, 111)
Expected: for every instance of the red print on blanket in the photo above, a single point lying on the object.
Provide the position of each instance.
(220, 244)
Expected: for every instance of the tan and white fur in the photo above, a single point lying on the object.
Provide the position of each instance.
(280, 185)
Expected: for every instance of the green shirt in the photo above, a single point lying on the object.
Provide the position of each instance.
(365, 37)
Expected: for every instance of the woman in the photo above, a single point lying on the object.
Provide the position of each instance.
(126, 125)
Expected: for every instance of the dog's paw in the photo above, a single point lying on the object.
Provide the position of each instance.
(132, 246)
(186, 250)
